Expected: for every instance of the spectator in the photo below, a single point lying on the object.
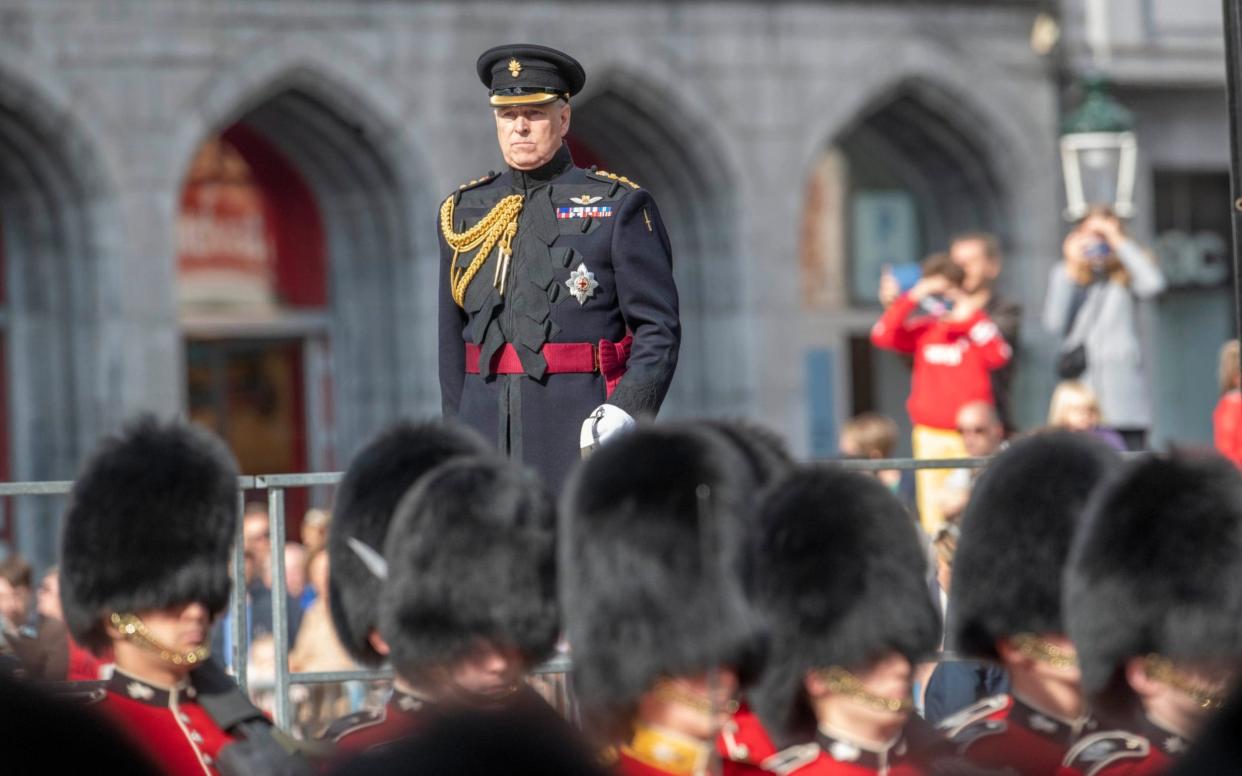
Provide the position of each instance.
(257, 541)
(15, 577)
(980, 257)
(79, 663)
(1092, 304)
(983, 435)
(1074, 408)
(295, 571)
(315, 530)
(1227, 418)
(955, 346)
(317, 648)
(872, 436)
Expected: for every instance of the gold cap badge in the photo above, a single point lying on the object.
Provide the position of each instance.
(515, 67)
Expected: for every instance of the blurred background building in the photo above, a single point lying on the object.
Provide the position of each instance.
(227, 209)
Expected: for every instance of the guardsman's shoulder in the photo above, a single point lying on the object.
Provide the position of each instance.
(352, 723)
(619, 182)
(1097, 751)
(476, 183)
(793, 759)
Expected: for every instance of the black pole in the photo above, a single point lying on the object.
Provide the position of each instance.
(1233, 91)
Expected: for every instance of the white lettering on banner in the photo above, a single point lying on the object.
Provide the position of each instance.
(944, 355)
(205, 235)
(1199, 259)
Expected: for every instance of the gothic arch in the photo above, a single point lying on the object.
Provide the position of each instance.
(629, 123)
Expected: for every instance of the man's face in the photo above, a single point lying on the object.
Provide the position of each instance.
(972, 257)
(488, 672)
(981, 431)
(14, 603)
(529, 135)
(49, 598)
(255, 536)
(182, 628)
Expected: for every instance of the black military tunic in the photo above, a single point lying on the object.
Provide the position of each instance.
(591, 263)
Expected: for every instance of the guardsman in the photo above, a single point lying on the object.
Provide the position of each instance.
(558, 312)
(1153, 601)
(658, 624)
(841, 578)
(144, 570)
(376, 480)
(1005, 604)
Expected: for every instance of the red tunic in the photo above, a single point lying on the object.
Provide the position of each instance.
(1147, 751)
(369, 729)
(166, 723)
(744, 744)
(1004, 732)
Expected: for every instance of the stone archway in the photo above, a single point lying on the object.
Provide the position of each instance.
(343, 153)
(630, 126)
(61, 367)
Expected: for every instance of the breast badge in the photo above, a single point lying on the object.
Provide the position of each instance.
(582, 283)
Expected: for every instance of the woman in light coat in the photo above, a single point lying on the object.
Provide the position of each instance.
(1093, 296)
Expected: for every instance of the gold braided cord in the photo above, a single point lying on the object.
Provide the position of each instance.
(844, 683)
(134, 630)
(496, 228)
(1033, 647)
(1162, 669)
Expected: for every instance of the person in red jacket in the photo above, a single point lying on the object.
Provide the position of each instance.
(661, 633)
(1227, 418)
(844, 593)
(1005, 607)
(955, 347)
(144, 571)
(1153, 603)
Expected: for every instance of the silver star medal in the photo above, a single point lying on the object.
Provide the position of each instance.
(582, 283)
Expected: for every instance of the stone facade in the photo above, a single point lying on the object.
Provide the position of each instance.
(720, 109)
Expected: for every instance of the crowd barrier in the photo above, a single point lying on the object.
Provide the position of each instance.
(275, 485)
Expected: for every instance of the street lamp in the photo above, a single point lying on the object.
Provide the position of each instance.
(1098, 152)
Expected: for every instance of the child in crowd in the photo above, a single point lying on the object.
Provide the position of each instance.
(872, 436)
(1227, 418)
(1074, 407)
(955, 347)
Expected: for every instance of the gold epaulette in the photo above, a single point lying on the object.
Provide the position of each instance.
(491, 176)
(611, 176)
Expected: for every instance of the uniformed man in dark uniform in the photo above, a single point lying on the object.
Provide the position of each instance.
(1005, 603)
(558, 312)
(1153, 602)
(145, 570)
(841, 577)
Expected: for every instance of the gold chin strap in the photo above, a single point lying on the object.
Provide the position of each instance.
(672, 692)
(669, 752)
(135, 632)
(842, 682)
(1035, 648)
(1162, 669)
(496, 228)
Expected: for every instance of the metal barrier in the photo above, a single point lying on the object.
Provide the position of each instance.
(275, 485)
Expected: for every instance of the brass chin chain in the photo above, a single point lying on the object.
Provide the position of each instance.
(1035, 648)
(135, 632)
(673, 693)
(497, 228)
(842, 682)
(1162, 669)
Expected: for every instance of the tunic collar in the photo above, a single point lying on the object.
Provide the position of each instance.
(839, 746)
(150, 693)
(529, 179)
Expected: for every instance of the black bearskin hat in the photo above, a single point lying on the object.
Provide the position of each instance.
(378, 476)
(471, 555)
(1157, 566)
(764, 450)
(1015, 538)
(842, 579)
(150, 522)
(651, 529)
